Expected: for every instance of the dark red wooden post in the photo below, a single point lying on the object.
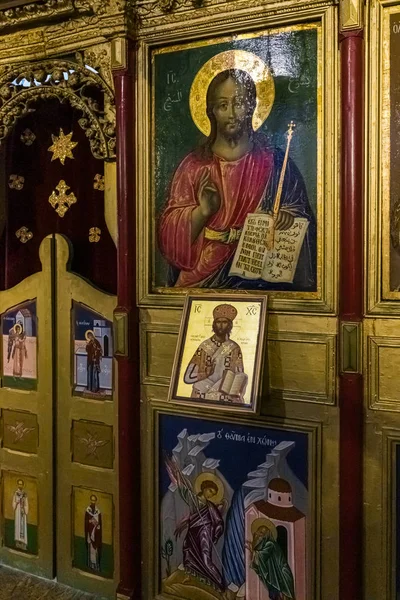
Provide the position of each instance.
(128, 367)
(351, 309)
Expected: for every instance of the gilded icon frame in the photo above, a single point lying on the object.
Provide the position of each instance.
(380, 481)
(151, 488)
(197, 324)
(381, 298)
(324, 300)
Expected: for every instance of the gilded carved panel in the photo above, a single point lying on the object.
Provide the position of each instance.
(301, 365)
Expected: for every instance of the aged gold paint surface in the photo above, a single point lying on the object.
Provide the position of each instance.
(244, 332)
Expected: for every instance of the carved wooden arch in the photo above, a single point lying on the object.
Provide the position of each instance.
(23, 84)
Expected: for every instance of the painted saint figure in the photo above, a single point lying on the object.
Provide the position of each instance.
(11, 340)
(204, 524)
(216, 369)
(20, 506)
(17, 348)
(93, 534)
(269, 562)
(235, 172)
(94, 355)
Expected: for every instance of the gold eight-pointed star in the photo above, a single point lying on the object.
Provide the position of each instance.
(62, 146)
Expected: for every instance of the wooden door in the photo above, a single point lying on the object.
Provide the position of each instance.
(57, 296)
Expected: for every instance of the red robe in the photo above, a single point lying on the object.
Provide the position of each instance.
(241, 185)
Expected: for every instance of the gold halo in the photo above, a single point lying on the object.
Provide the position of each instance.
(20, 326)
(93, 498)
(232, 59)
(263, 522)
(87, 333)
(20, 483)
(210, 477)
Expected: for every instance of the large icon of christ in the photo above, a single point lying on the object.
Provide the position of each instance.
(234, 172)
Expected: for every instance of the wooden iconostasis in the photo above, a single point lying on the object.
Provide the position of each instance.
(257, 140)
(58, 285)
(233, 118)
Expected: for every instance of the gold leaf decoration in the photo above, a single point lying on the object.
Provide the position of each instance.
(27, 137)
(98, 182)
(62, 146)
(16, 182)
(62, 201)
(24, 235)
(94, 234)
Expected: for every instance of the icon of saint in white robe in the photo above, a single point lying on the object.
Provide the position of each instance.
(20, 506)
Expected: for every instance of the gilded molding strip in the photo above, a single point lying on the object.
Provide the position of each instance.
(350, 347)
(119, 54)
(351, 15)
(17, 15)
(383, 360)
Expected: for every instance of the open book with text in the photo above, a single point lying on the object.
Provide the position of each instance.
(233, 383)
(264, 252)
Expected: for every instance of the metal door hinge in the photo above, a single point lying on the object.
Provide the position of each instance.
(121, 338)
(350, 347)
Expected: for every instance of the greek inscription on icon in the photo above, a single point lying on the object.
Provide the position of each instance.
(232, 523)
(219, 352)
(216, 369)
(239, 208)
(93, 353)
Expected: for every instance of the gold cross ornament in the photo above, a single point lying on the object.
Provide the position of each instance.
(98, 182)
(62, 201)
(62, 146)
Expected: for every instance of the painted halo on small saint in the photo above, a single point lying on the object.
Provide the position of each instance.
(236, 213)
(19, 327)
(214, 486)
(216, 370)
(93, 549)
(93, 354)
(20, 512)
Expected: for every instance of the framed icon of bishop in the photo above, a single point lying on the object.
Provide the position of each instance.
(219, 356)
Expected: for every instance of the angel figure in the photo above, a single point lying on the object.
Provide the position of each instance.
(204, 524)
(16, 348)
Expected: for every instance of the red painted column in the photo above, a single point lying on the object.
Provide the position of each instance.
(351, 309)
(128, 367)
